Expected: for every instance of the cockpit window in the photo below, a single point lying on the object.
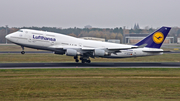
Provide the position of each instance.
(20, 30)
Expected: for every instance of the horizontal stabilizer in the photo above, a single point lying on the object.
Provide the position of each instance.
(114, 49)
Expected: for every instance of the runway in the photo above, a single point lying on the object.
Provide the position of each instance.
(19, 52)
(91, 65)
(27, 52)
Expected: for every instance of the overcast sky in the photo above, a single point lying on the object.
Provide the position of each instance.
(97, 13)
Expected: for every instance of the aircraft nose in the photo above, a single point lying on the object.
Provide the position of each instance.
(7, 36)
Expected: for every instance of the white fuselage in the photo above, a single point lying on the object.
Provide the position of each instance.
(55, 41)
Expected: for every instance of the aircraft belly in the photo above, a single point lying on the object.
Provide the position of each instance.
(120, 55)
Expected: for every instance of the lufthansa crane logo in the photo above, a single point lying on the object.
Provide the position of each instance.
(158, 37)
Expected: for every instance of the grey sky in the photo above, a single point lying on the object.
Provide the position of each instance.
(97, 13)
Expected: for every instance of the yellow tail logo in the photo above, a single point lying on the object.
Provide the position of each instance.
(158, 37)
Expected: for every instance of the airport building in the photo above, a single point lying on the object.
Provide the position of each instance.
(113, 41)
(178, 40)
(135, 38)
(130, 39)
(93, 38)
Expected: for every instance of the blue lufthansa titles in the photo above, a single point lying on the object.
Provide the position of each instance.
(44, 38)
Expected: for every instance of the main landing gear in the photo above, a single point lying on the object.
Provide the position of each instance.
(22, 52)
(83, 59)
(76, 59)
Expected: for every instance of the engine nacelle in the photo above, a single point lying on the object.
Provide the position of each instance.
(99, 52)
(71, 52)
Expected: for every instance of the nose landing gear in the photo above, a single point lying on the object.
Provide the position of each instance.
(22, 52)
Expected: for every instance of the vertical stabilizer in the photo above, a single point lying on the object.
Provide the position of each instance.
(155, 39)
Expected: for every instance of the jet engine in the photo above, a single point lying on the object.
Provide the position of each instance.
(71, 52)
(99, 52)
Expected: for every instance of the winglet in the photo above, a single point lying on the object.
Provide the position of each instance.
(155, 39)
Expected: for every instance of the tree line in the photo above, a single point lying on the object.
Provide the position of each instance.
(107, 33)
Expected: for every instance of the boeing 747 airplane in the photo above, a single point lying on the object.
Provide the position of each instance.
(84, 49)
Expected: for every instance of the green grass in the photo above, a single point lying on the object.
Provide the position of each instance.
(12, 47)
(6, 58)
(90, 84)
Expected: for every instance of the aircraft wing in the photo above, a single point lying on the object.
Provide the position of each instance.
(87, 49)
(91, 49)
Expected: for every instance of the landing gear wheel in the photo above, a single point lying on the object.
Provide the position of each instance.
(75, 57)
(22, 52)
(77, 60)
(88, 61)
(83, 61)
